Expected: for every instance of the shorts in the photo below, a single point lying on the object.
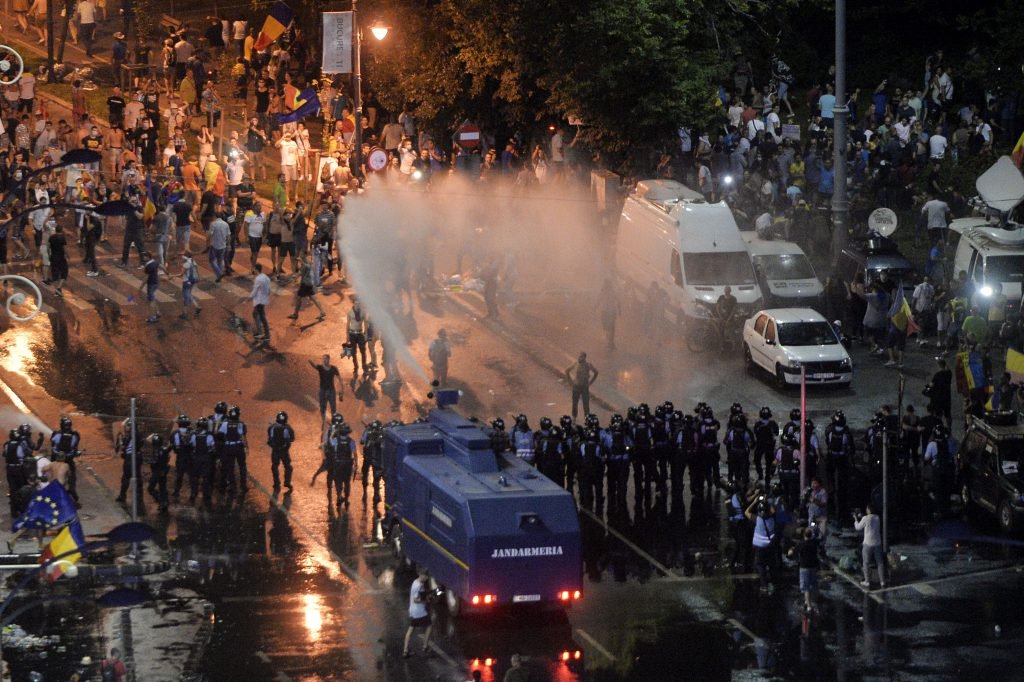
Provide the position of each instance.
(151, 292)
(291, 173)
(306, 290)
(783, 90)
(255, 243)
(421, 622)
(182, 233)
(274, 240)
(808, 580)
(287, 248)
(897, 339)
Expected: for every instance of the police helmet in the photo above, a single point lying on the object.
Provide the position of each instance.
(521, 420)
(700, 407)
(25, 430)
(677, 416)
(344, 428)
(202, 424)
(282, 417)
(545, 423)
(556, 432)
(13, 434)
(631, 414)
(644, 409)
(736, 421)
(688, 420)
(766, 412)
(669, 407)
(591, 434)
(838, 418)
(789, 440)
(794, 414)
(498, 424)
(616, 419)
(565, 422)
(707, 412)
(376, 425)
(592, 421)
(156, 440)
(735, 409)
(659, 412)
(940, 432)
(808, 425)
(616, 427)
(220, 408)
(234, 412)
(336, 419)
(183, 420)
(65, 423)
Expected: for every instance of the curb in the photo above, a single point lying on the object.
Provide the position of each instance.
(102, 572)
(190, 672)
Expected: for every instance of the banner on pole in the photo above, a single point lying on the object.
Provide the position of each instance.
(337, 42)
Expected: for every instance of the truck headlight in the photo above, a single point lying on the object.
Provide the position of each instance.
(794, 364)
(985, 291)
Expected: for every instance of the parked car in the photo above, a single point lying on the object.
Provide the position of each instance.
(989, 463)
(784, 341)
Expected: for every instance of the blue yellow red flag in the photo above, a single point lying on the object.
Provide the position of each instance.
(1018, 151)
(149, 208)
(900, 314)
(307, 103)
(1015, 365)
(67, 545)
(277, 22)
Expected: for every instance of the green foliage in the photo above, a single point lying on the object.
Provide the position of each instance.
(995, 31)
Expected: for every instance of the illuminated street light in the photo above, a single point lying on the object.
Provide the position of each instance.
(379, 30)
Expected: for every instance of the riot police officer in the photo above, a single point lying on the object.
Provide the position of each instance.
(64, 448)
(522, 439)
(500, 441)
(159, 467)
(684, 453)
(617, 445)
(707, 430)
(17, 476)
(641, 433)
(570, 440)
(541, 437)
(339, 458)
(181, 444)
(661, 437)
(204, 453)
(738, 442)
(280, 437)
(766, 430)
(811, 449)
(550, 460)
(129, 446)
(840, 448)
(373, 457)
(591, 472)
(219, 417)
(235, 446)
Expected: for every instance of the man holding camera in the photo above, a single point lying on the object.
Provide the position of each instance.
(419, 616)
(872, 547)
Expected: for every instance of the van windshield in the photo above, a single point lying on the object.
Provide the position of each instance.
(1004, 268)
(784, 266)
(717, 268)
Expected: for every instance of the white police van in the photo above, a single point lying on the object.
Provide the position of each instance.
(669, 235)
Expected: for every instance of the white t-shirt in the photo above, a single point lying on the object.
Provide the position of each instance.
(735, 115)
(183, 50)
(235, 171)
(946, 86)
(924, 294)
(417, 608)
(289, 152)
(936, 210)
(902, 132)
(774, 124)
(86, 12)
(753, 126)
(556, 148)
(238, 29)
(27, 86)
(254, 225)
(985, 130)
(937, 146)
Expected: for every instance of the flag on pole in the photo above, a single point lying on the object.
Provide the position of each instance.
(51, 507)
(149, 208)
(900, 314)
(306, 104)
(970, 373)
(1015, 365)
(1018, 151)
(70, 539)
(277, 22)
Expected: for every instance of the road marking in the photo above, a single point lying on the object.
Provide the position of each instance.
(366, 586)
(923, 585)
(444, 656)
(100, 288)
(874, 594)
(136, 283)
(262, 656)
(647, 557)
(745, 630)
(76, 302)
(597, 645)
(18, 402)
(282, 677)
(924, 589)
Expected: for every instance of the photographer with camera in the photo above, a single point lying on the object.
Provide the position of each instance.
(419, 614)
(871, 524)
(762, 515)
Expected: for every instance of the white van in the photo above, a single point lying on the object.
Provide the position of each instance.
(991, 247)
(784, 273)
(669, 235)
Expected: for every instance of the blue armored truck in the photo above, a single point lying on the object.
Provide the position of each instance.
(491, 530)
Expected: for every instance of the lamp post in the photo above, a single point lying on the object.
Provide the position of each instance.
(379, 31)
(133, 532)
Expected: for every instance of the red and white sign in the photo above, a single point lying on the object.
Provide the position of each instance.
(469, 136)
(377, 160)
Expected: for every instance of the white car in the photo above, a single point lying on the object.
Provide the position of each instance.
(786, 340)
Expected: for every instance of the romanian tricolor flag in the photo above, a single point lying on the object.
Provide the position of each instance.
(1018, 151)
(277, 23)
(900, 314)
(67, 545)
(148, 208)
(306, 103)
(1015, 365)
(970, 373)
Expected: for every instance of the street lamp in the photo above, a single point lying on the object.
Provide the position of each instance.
(379, 31)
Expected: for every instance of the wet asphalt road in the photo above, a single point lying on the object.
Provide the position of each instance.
(302, 592)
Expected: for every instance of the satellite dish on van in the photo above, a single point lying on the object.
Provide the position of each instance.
(883, 221)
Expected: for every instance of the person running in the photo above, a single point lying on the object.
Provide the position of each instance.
(189, 278)
(306, 291)
(260, 296)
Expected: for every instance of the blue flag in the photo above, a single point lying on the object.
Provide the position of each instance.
(51, 507)
(306, 103)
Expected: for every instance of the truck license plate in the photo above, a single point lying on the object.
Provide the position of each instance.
(826, 375)
(520, 598)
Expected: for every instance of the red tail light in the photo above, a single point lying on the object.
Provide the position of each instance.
(485, 599)
(577, 654)
(565, 655)
(488, 662)
(564, 595)
(576, 594)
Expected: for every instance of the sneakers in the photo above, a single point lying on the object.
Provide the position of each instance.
(152, 319)
(890, 363)
(865, 583)
(92, 273)
(882, 584)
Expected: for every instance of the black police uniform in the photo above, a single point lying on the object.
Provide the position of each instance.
(642, 458)
(684, 454)
(765, 433)
(159, 467)
(232, 437)
(17, 477)
(204, 453)
(64, 448)
(130, 453)
(839, 445)
(569, 446)
(549, 455)
(708, 438)
(738, 442)
(181, 444)
(280, 438)
(373, 458)
(591, 473)
(617, 444)
(339, 460)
